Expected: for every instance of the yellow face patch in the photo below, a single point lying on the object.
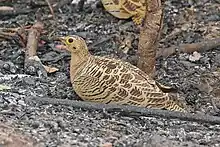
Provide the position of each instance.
(69, 40)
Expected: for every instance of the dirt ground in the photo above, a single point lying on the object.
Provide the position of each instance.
(195, 76)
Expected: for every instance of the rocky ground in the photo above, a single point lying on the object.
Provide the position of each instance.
(195, 76)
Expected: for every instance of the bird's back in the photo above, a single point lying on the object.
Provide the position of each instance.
(109, 80)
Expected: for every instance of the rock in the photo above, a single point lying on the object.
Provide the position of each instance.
(195, 56)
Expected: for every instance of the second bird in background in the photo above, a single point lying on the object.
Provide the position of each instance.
(125, 9)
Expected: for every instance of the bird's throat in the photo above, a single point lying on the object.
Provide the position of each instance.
(76, 63)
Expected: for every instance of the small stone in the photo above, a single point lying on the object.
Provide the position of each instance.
(175, 10)
(6, 66)
(31, 70)
(185, 27)
(195, 56)
(29, 81)
(35, 124)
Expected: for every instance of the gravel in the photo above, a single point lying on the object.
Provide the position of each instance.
(195, 78)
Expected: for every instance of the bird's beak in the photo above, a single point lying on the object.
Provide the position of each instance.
(63, 40)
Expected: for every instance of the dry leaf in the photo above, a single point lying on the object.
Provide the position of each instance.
(50, 69)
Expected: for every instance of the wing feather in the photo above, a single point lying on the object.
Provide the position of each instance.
(114, 81)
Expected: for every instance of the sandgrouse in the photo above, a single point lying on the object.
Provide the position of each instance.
(108, 80)
(125, 9)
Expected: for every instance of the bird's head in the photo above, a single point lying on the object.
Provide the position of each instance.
(74, 44)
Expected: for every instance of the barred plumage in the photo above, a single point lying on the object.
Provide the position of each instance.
(124, 9)
(108, 80)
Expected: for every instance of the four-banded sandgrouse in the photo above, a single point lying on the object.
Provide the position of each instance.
(108, 80)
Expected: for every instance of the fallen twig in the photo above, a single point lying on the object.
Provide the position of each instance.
(51, 9)
(14, 29)
(31, 58)
(61, 3)
(5, 36)
(32, 62)
(127, 109)
(17, 34)
(33, 38)
(10, 11)
(6, 8)
(202, 46)
(37, 4)
(30, 43)
(172, 35)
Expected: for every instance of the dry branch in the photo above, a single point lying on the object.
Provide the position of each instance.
(33, 38)
(15, 29)
(30, 43)
(202, 46)
(51, 9)
(128, 110)
(16, 34)
(6, 8)
(10, 11)
(149, 35)
(32, 62)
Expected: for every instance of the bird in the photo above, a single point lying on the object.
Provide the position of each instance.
(125, 9)
(109, 80)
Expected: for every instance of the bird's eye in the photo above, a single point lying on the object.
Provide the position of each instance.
(70, 40)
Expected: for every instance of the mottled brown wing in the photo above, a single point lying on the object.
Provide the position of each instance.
(142, 83)
(136, 8)
(132, 6)
(109, 80)
(114, 7)
(150, 80)
(137, 88)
